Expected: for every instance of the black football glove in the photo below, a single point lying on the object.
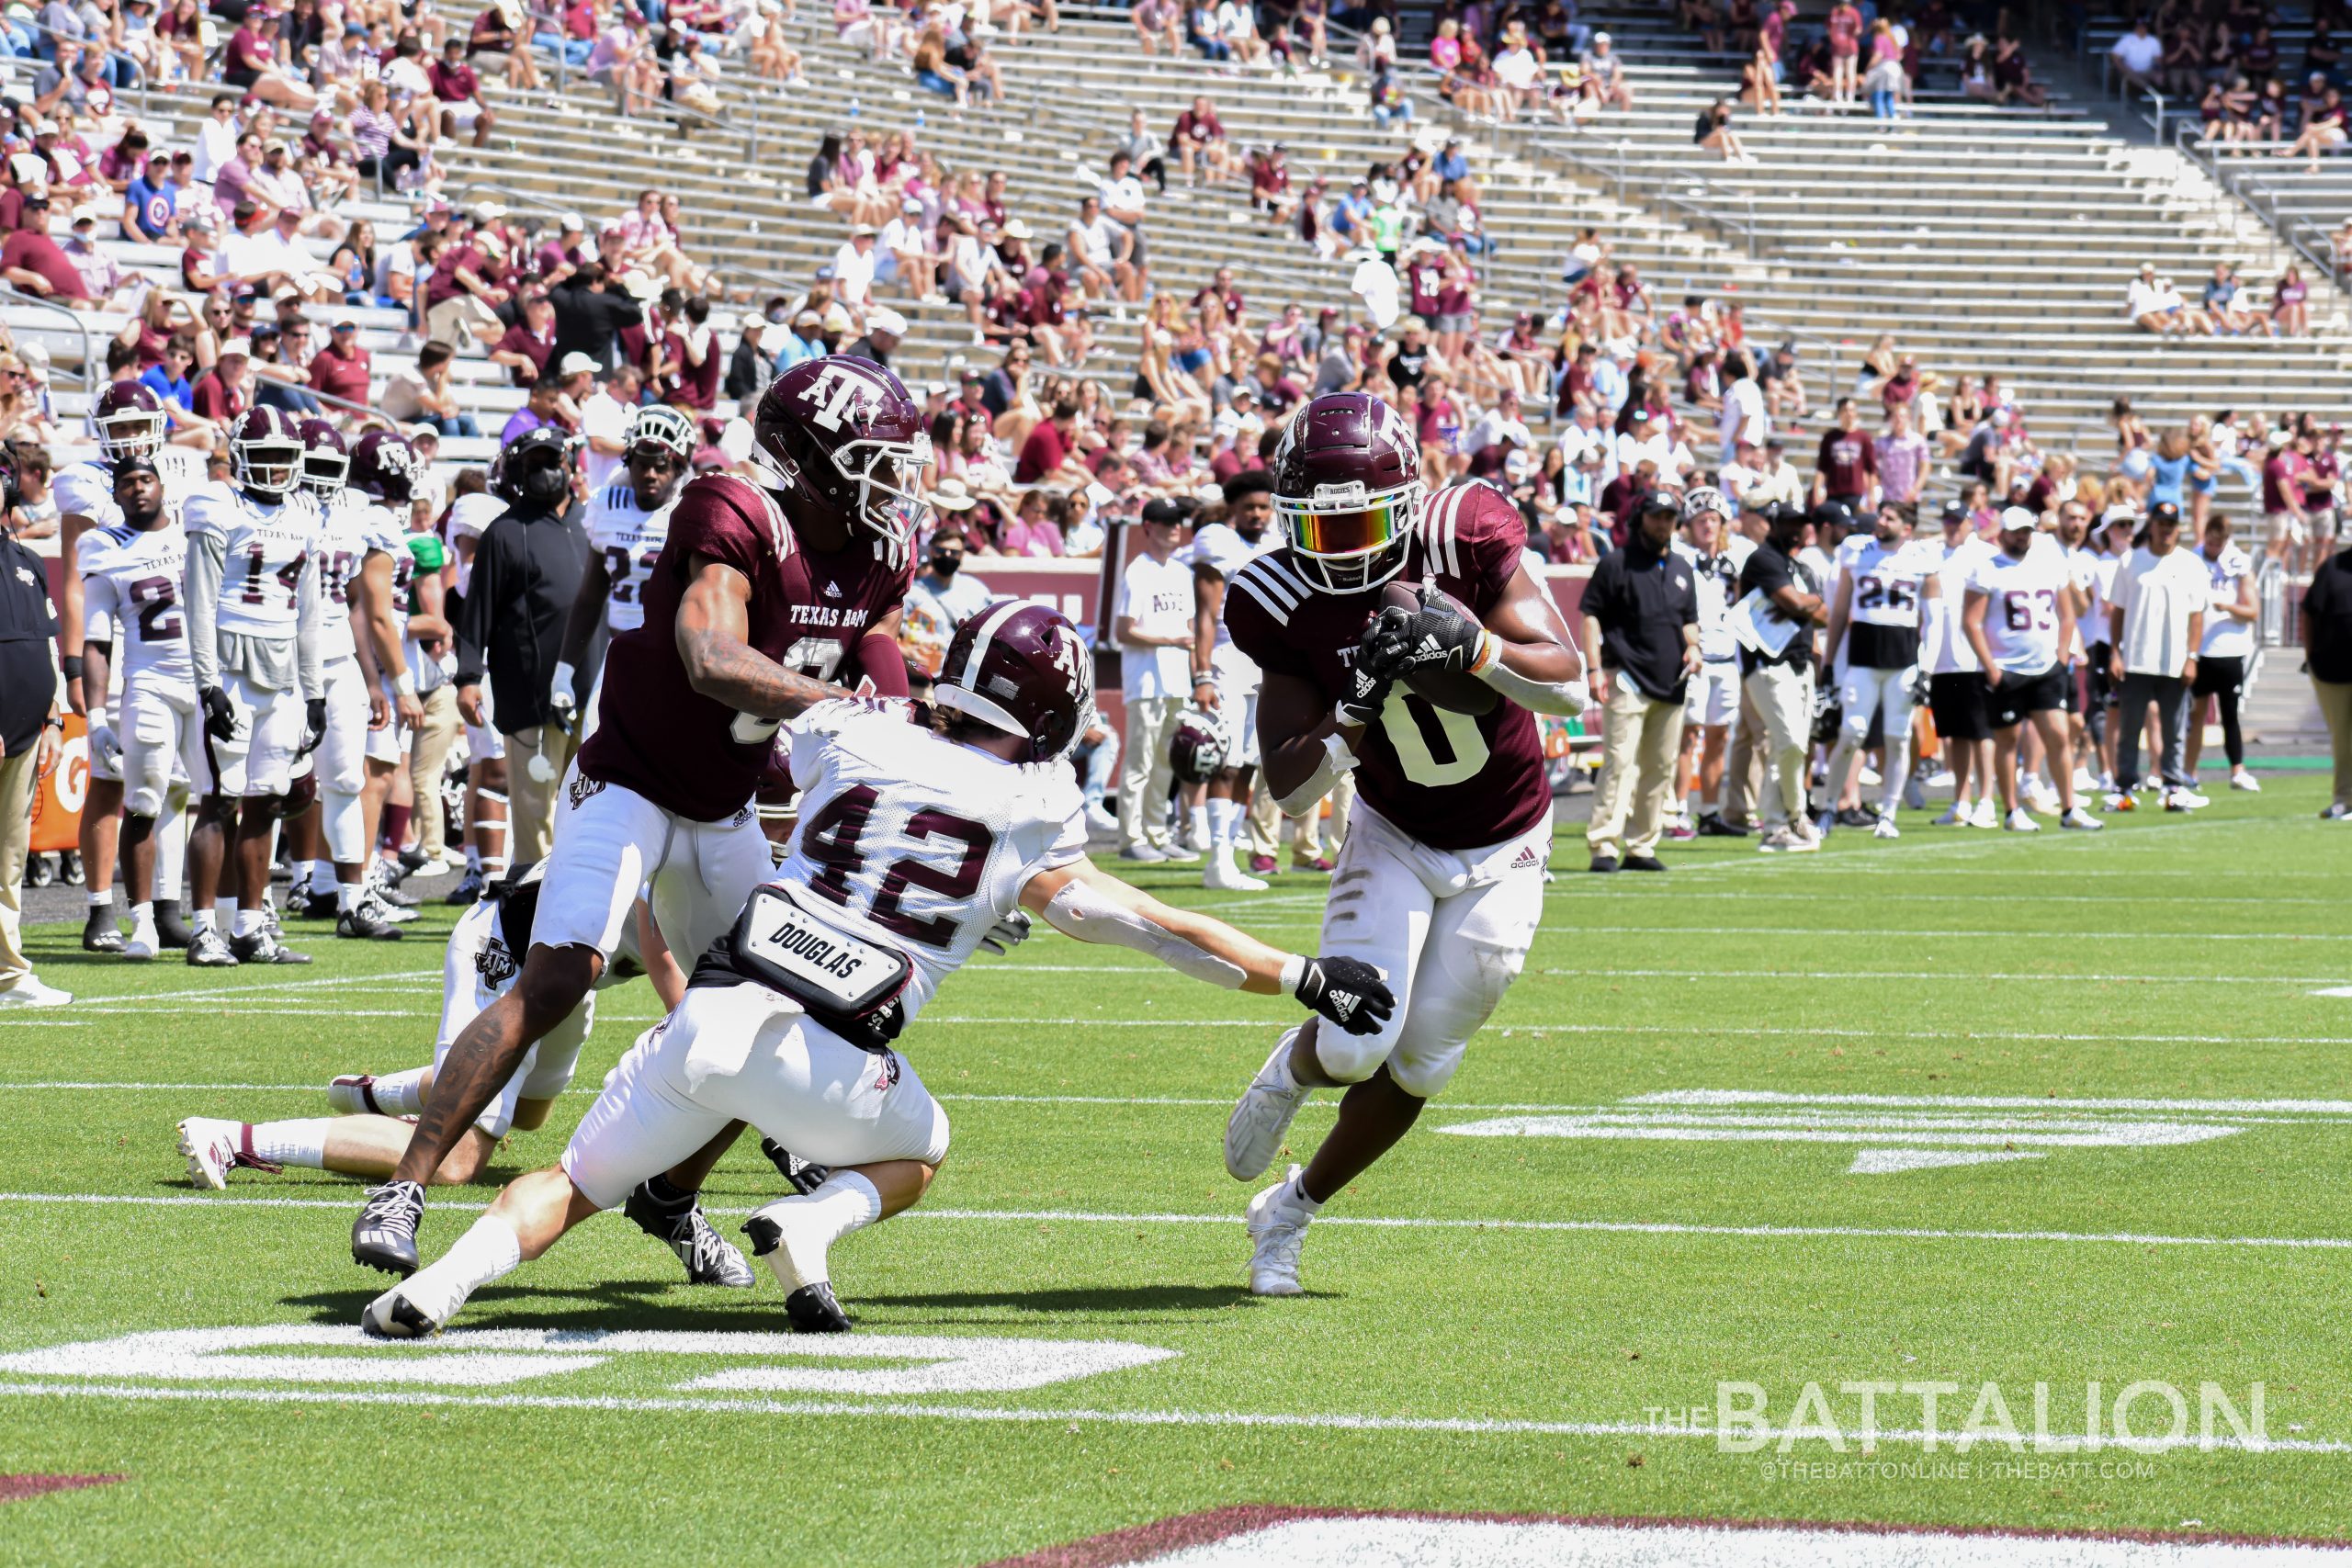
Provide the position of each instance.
(1349, 992)
(219, 713)
(314, 725)
(1365, 695)
(1380, 651)
(1442, 635)
(804, 1176)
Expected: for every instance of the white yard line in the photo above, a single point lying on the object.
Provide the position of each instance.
(1091, 1217)
(1314, 1421)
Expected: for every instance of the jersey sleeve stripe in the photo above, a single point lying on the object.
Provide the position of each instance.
(1270, 581)
(1284, 575)
(1251, 584)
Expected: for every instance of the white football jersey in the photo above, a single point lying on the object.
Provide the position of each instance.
(344, 538)
(2226, 636)
(1222, 548)
(1886, 582)
(1717, 580)
(131, 586)
(919, 842)
(630, 539)
(2022, 597)
(1941, 633)
(269, 548)
(86, 488)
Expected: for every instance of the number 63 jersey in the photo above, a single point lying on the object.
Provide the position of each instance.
(919, 842)
(1452, 780)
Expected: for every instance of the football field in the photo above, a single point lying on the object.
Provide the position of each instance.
(1763, 1175)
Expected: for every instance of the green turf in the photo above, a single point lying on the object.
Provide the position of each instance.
(2171, 959)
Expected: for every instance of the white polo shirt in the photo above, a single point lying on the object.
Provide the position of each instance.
(2157, 596)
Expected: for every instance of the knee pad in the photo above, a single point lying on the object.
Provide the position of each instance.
(341, 821)
(1351, 1058)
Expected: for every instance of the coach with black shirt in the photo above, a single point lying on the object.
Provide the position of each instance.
(31, 732)
(2327, 654)
(1779, 686)
(1641, 633)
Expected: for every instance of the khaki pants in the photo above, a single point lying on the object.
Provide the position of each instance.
(17, 777)
(481, 322)
(1783, 699)
(1643, 739)
(1144, 773)
(1317, 837)
(2336, 707)
(428, 760)
(530, 802)
(1743, 764)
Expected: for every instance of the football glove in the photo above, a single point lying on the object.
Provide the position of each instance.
(1349, 992)
(1007, 933)
(1365, 695)
(219, 713)
(104, 748)
(563, 704)
(1440, 635)
(803, 1175)
(314, 725)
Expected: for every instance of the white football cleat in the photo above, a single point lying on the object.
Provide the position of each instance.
(1886, 829)
(2241, 778)
(1955, 816)
(2081, 821)
(353, 1094)
(143, 944)
(1277, 1226)
(1253, 1135)
(1221, 875)
(2185, 800)
(396, 1314)
(210, 1146)
(2021, 822)
(2043, 797)
(1988, 814)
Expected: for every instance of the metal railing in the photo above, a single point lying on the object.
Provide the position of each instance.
(2307, 239)
(92, 366)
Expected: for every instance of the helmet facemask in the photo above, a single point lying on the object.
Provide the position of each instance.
(325, 470)
(269, 465)
(131, 432)
(1347, 539)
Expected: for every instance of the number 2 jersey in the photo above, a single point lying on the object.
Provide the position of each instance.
(915, 841)
(629, 539)
(1452, 780)
(131, 597)
(682, 750)
(86, 489)
(1882, 616)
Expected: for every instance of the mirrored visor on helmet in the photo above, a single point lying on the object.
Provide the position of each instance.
(1324, 529)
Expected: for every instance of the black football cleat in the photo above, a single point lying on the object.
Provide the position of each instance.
(1711, 826)
(467, 891)
(384, 1236)
(308, 905)
(207, 949)
(263, 947)
(804, 1176)
(361, 923)
(170, 930)
(812, 1309)
(1602, 865)
(99, 933)
(1643, 863)
(709, 1258)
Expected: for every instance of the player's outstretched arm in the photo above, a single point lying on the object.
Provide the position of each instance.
(714, 629)
(1085, 901)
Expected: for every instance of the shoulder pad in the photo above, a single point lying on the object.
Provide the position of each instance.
(1272, 584)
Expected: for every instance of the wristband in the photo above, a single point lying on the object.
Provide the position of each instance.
(1294, 971)
(1488, 654)
(1204, 679)
(53, 722)
(405, 685)
(1338, 755)
(71, 666)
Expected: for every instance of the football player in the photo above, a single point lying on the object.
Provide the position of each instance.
(254, 608)
(384, 471)
(628, 521)
(358, 581)
(1715, 555)
(1873, 646)
(1440, 884)
(130, 572)
(2018, 618)
(367, 1133)
(1955, 682)
(768, 596)
(912, 845)
(1225, 680)
(131, 427)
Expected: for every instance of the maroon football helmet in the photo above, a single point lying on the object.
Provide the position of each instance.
(383, 465)
(841, 437)
(1348, 491)
(1199, 747)
(130, 421)
(265, 451)
(1021, 668)
(326, 464)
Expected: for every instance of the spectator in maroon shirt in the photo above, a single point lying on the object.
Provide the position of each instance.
(524, 351)
(250, 65)
(1846, 469)
(33, 262)
(1225, 292)
(459, 90)
(341, 369)
(1050, 454)
(225, 391)
(1621, 498)
(1198, 142)
(692, 346)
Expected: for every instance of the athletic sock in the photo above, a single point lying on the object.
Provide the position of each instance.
(474, 859)
(249, 921)
(489, 1250)
(810, 1224)
(303, 1142)
(205, 921)
(400, 1094)
(142, 916)
(670, 1199)
(1220, 821)
(317, 878)
(102, 900)
(1297, 1199)
(346, 898)
(396, 827)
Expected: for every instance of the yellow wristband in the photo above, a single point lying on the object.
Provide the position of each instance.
(1490, 648)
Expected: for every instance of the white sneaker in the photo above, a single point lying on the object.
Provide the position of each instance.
(398, 1313)
(1176, 851)
(2044, 798)
(1886, 829)
(2019, 822)
(1871, 779)
(2081, 821)
(1988, 814)
(1955, 816)
(1277, 1226)
(144, 943)
(28, 992)
(1253, 1135)
(1221, 875)
(1940, 779)
(2185, 800)
(2084, 784)
(210, 1146)
(2241, 778)
(1786, 841)
(1145, 854)
(1199, 835)
(1100, 820)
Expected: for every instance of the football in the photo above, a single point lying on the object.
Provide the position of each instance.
(1439, 688)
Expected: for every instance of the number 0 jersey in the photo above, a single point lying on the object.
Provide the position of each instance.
(629, 540)
(131, 587)
(1883, 616)
(268, 544)
(919, 842)
(1452, 780)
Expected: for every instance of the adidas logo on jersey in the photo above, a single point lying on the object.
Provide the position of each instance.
(832, 591)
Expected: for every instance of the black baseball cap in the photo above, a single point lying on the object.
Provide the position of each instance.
(1159, 509)
(1954, 512)
(2164, 511)
(1660, 500)
(1835, 513)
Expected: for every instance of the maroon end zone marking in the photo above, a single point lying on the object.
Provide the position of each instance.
(15, 1488)
(1162, 1536)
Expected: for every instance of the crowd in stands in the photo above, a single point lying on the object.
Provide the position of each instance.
(2227, 60)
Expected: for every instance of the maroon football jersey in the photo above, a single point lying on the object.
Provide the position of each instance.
(679, 749)
(1453, 781)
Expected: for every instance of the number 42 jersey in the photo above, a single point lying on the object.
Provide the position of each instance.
(1452, 780)
(919, 842)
